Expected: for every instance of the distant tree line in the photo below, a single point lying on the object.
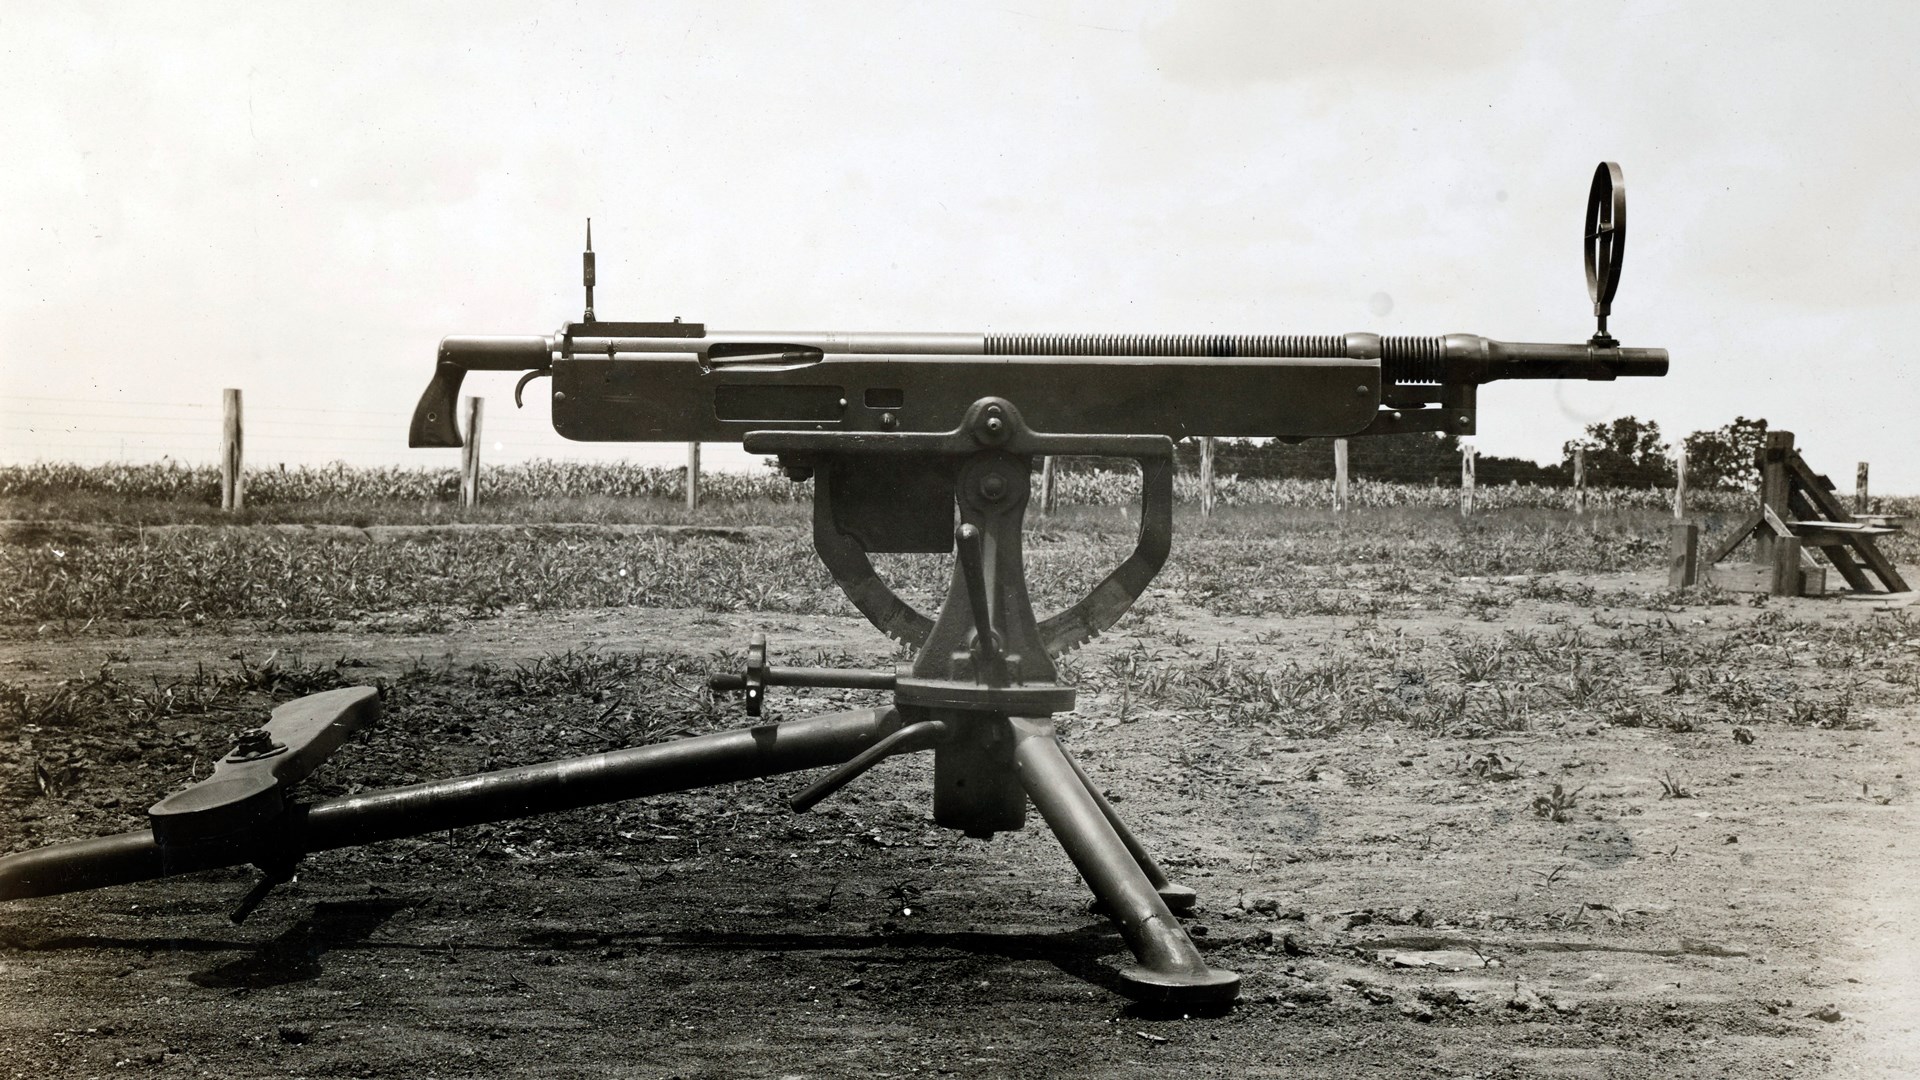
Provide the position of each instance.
(1627, 452)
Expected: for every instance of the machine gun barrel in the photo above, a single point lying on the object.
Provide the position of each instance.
(1410, 359)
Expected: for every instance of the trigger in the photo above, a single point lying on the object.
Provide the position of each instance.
(522, 385)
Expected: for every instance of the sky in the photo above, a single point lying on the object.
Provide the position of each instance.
(300, 200)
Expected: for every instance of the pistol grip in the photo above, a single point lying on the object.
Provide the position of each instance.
(433, 418)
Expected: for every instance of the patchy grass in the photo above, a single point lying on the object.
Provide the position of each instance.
(1381, 564)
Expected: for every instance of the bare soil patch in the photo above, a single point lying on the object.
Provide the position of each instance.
(1365, 802)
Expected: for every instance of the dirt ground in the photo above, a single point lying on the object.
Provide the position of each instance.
(1397, 902)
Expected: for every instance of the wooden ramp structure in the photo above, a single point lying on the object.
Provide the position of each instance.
(1799, 510)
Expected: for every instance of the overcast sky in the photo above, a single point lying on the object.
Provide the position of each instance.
(300, 200)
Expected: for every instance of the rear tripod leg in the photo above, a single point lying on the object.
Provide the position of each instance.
(1178, 898)
(1169, 969)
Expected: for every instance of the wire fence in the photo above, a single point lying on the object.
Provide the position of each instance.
(293, 453)
(343, 482)
(95, 431)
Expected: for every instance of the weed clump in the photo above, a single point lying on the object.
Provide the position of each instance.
(1556, 805)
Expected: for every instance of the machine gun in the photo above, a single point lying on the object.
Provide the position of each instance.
(914, 442)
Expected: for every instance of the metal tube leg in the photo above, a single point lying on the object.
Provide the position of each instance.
(1170, 969)
(680, 765)
(436, 805)
(1178, 898)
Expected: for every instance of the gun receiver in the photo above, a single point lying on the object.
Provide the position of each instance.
(628, 382)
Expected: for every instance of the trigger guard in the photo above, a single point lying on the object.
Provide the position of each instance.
(522, 385)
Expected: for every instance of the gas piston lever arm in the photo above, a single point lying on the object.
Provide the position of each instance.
(913, 737)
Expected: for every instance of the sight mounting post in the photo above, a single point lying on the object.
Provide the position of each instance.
(586, 272)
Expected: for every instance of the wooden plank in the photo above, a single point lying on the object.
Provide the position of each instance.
(1862, 545)
(1775, 524)
(1733, 539)
(1861, 504)
(1880, 565)
(1800, 507)
(1773, 488)
(1838, 552)
(1579, 480)
(1739, 577)
(1838, 528)
(1849, 570)
(1046, 484)
(1830, 508)
(693, 476)
(1786, 566)
(1821, 497)
(1813, 580)
(1842, 560)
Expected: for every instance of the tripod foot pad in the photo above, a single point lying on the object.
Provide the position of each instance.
(1188, 989)
(1179, 899)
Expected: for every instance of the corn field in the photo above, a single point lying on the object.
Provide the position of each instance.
(1109, 489)
(338, 482)
(562, 479)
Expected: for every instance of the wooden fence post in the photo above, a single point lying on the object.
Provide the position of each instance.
(1680, 485)
(693, 475)
(1683, 555)
(1467, 454)
(1579, 480)
(1206, 476)
(233, 481)
(1046, 484)
(1340, 476)
(1861, 504)
(470, 456)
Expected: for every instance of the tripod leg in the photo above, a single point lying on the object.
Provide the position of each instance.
(1170, 969)
(437, 805)
(1178, 898)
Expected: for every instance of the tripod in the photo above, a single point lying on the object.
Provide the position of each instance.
(982, 687)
